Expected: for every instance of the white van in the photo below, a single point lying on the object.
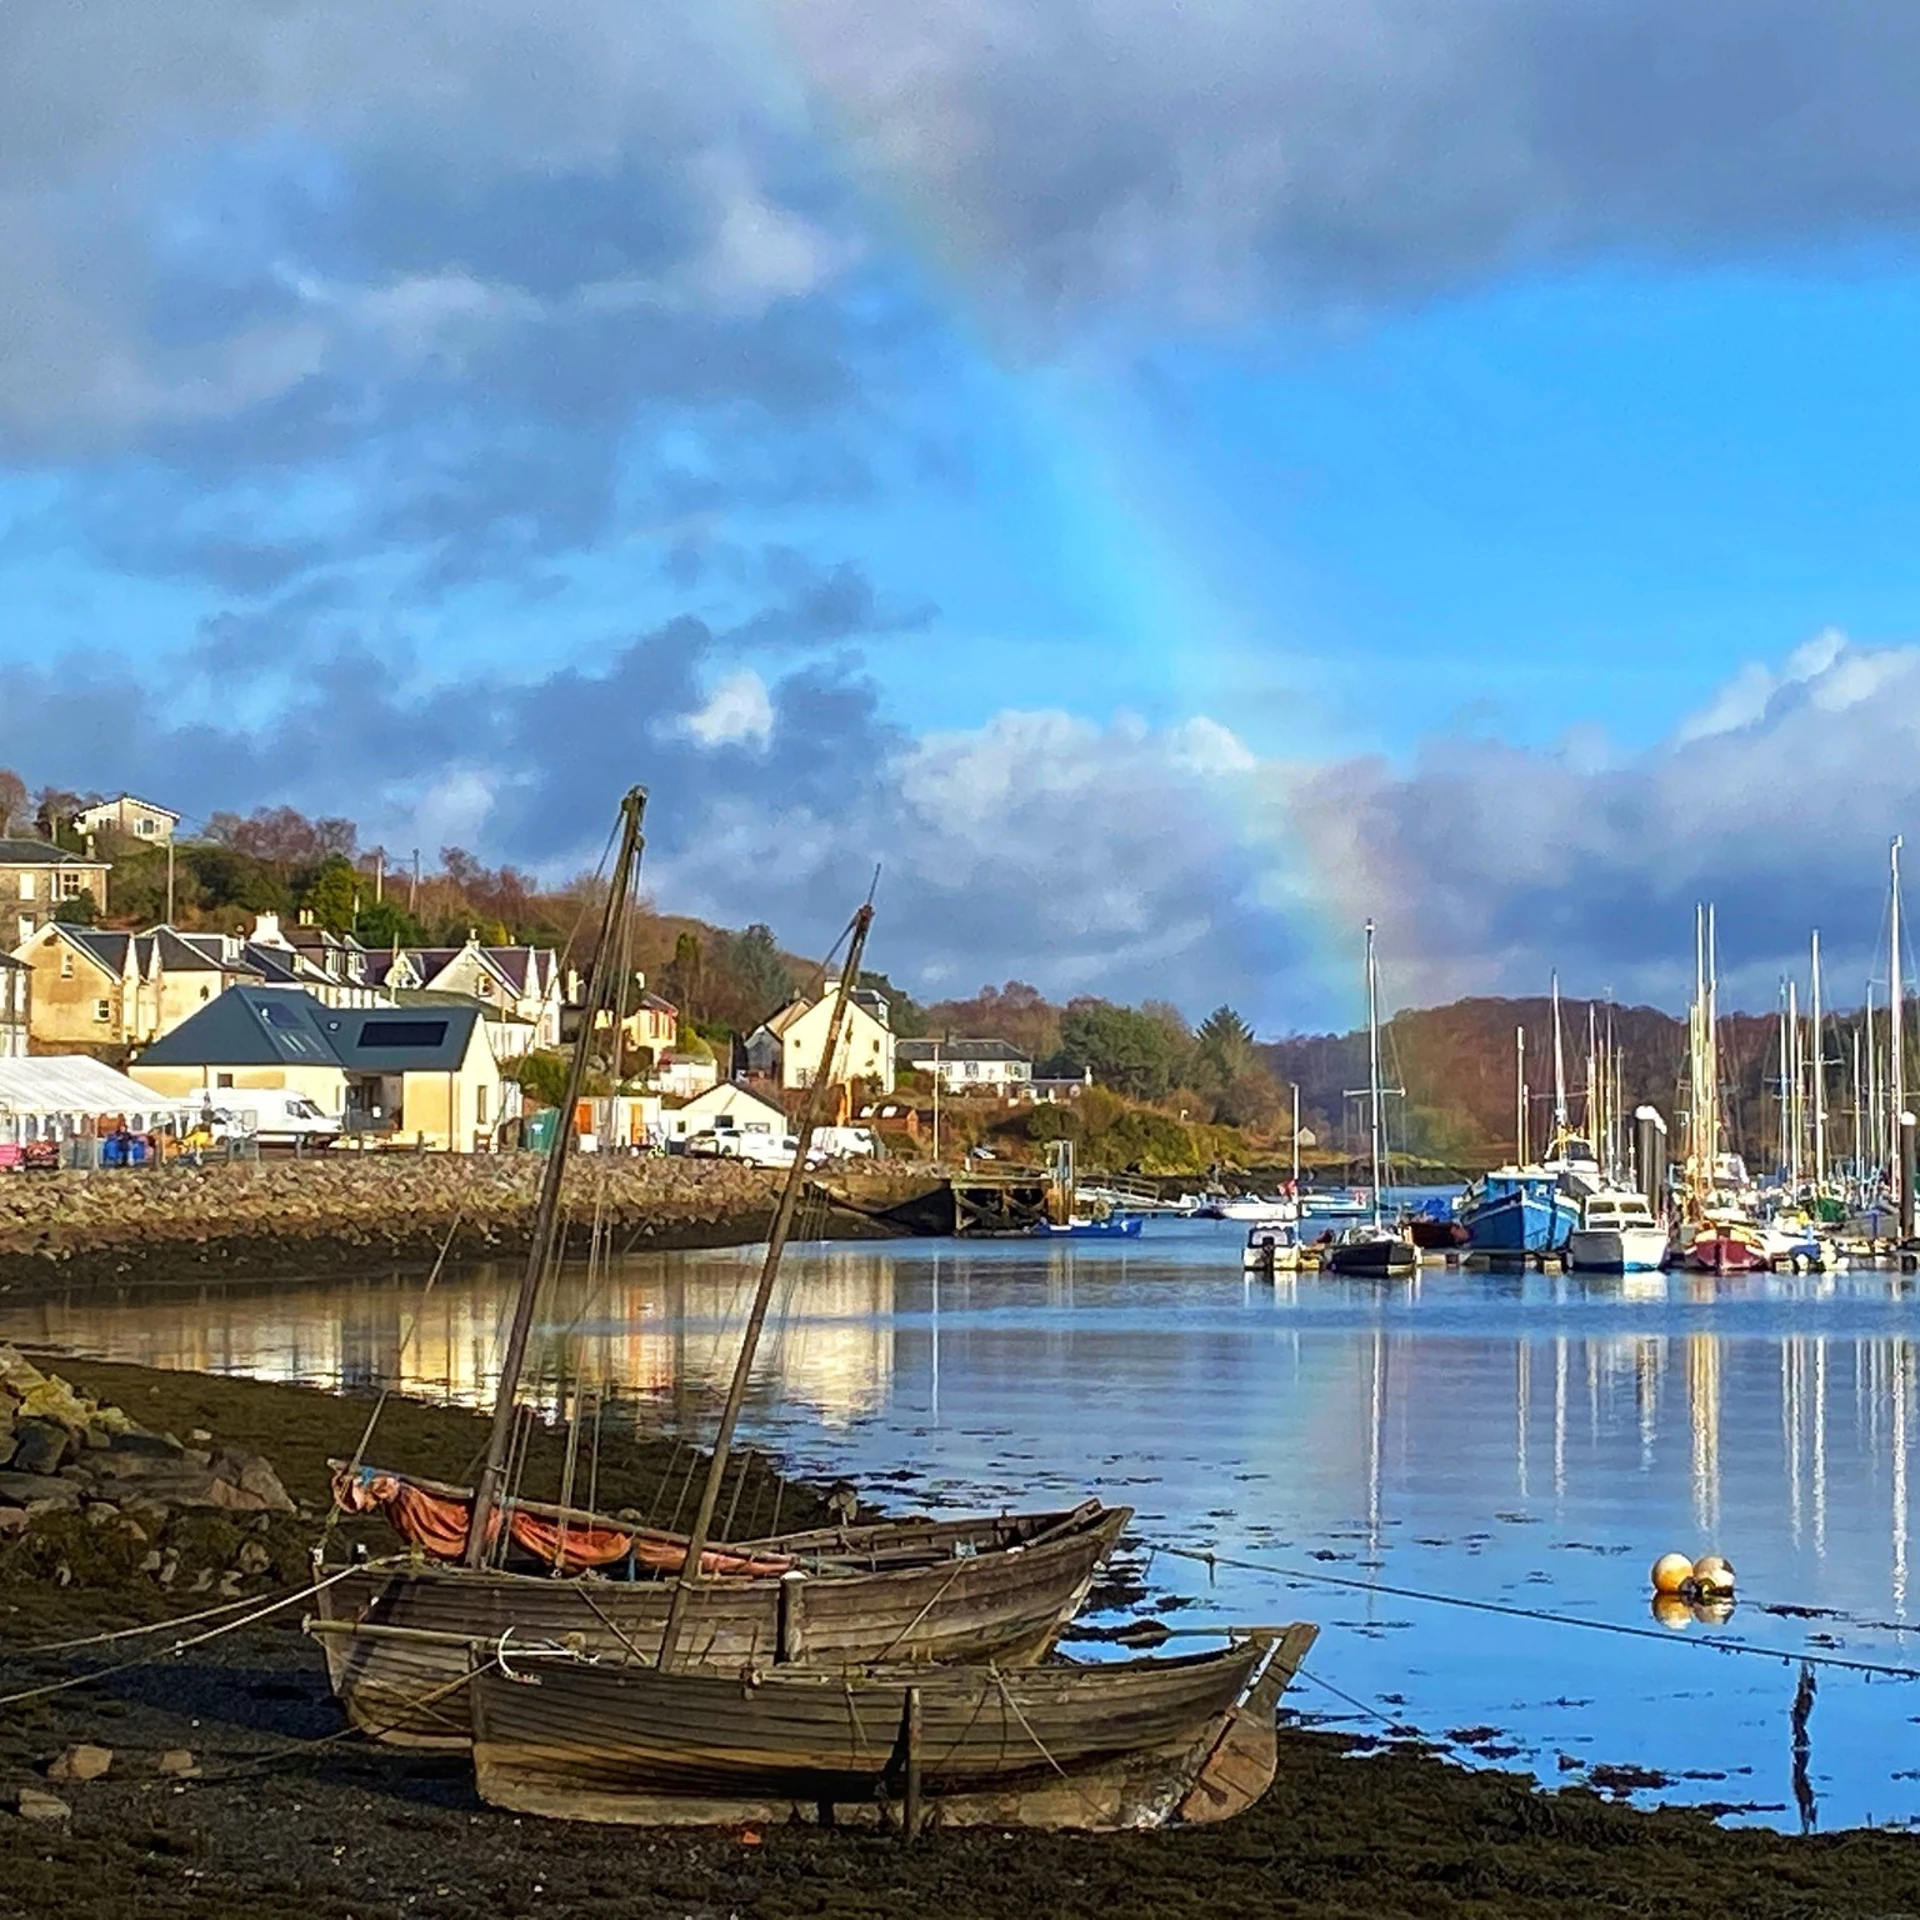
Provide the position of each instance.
(273, 1115)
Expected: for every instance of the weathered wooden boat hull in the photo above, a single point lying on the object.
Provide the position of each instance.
(970, 1590)
(1100, 1748)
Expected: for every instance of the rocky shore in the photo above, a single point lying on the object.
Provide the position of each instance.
(346, 1210)
(214, 1782)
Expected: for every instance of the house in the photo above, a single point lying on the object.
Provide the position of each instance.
(38, 881)
(727, 1108)
(1053, 1093)
(136, 819)
(419, 1076)
(100, 989)
(681, 1075)
(967, 1066)
(16, 1007)
(651, 1023)
(786, 1047)
(524, 981)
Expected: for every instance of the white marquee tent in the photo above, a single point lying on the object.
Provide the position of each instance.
(56, 1096)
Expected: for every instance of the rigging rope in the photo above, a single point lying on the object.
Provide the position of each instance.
(1713, 1642)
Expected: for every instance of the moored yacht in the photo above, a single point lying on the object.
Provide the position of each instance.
(1518, 1210)
(1617, 1234)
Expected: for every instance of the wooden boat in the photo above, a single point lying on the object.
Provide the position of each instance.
(1371, 1253)
(914, 1591)
(1137, 1743)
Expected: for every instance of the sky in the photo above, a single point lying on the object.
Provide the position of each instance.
(1164, 481)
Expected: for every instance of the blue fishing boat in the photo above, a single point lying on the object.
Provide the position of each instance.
(1518, 1210)
(1115, 1226)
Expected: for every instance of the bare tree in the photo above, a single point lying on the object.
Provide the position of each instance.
(13, 801)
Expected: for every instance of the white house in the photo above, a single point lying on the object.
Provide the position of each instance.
(968, 1066)
(786, 1047)
(729, 1108)
(137, 819)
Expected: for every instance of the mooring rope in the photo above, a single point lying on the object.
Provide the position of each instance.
(179, 1646)
(1713, 1642)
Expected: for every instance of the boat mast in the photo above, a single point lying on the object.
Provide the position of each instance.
(1519, 1096)
(1559, 1075)
(1296, 1136)
(1373, 1070)
(1871, 1148)
(1819, 1076)
(546, 1218)
(817, 1094)
(1796, 1096)
(1896, 1064)
(1784, 1082)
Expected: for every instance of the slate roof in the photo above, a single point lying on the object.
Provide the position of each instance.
(42, 853)
(270, 1027)
(923, 1053)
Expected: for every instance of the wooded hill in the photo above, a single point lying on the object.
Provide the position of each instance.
(1456, 1066)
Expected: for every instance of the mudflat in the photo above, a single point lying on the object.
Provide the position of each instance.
(285, 1815)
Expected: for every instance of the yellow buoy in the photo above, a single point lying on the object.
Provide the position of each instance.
(1671, 1611)
(1712, 1575)
(1671, 1572)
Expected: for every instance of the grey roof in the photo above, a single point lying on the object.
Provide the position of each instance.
(18, 966)
(268, 1026)
(441, 997)
(913, 1053)
(42, 853)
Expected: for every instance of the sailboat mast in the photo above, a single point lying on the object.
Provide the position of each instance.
(810, 1115)
(1519, 1096)
(1896, 1062)
(1796, 1096)
(540, 1253)
(1559, 1074)
(1296, 1136)
(1373, 1070)
(1784, 1082)
(1871, 1149)
(1819, 1075)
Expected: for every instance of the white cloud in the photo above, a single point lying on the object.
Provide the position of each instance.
(739, 711)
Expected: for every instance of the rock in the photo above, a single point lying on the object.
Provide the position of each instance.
(39, 1446)
(179, 1763)
(84, 1762)
(31, 1804)
(199, 1437)
(34, 1490)
(158, 1446)
(13, 1519)
(253, 1557)
(52, 1399)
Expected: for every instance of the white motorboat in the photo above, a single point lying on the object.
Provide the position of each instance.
(1256, 1209)
(1617, 1234)
(1351, 1205)
(1273, 1247)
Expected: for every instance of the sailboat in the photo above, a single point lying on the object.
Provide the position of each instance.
(1716, 1233)
(483, 1564)
(1376, 1250)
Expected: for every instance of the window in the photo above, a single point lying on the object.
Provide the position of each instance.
(223, 1079)
(69, 886)
(26, 886)
(103, 1011)
(282, 1017)
(403, 1033)
(145, 826)
(66, 966)
(479, 1106)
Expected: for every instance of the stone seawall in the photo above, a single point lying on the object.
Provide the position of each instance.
(303, 1216)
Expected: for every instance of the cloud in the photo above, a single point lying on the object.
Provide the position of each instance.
(1230, 158)
(737, 711)
(1489, 865)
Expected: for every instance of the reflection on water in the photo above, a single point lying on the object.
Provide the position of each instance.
(1526, 1440)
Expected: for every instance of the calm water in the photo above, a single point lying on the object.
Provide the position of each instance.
(1530, 1440)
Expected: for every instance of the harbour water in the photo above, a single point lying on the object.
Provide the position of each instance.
(1530, 1441)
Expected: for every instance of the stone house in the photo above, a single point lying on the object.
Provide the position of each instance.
(786, 1047)
(16, 1007)
(39, 880)
(136, 819)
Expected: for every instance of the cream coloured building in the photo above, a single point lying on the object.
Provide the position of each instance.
(787, 1046)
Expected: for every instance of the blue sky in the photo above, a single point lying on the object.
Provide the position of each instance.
(1166, 482)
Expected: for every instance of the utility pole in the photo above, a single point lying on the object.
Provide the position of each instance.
(936, 1103)
(413, 887)
(169, 879)
(379, 874)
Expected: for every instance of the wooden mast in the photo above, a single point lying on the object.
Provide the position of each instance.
(1373, 1072)
(1819, 1078)
(817, 1094)
(1896, 1049)
(547, 1214)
